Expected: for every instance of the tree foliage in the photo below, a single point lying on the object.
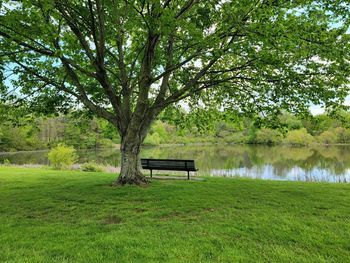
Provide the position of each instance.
(102, 53)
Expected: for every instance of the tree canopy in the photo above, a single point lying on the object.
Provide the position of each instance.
(126, 61)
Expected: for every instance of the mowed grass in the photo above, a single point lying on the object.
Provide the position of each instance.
(65, 216)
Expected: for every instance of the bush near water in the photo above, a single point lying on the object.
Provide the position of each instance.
(62, 156)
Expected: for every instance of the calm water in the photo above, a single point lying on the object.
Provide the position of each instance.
(329, 164)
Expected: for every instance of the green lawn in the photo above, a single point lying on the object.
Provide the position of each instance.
(64, 216)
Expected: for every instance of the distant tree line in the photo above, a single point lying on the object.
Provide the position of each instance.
(20, 131)
(228, 127)
(80, 131)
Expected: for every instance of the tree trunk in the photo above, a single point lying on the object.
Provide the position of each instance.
(132, 138)
(130, 172)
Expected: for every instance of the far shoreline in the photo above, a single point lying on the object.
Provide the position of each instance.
(165, 145)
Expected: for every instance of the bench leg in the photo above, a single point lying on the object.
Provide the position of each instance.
(188, 175)
(151, 173)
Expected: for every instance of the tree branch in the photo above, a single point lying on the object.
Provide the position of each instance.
(45, 52)
(178, 94)
(186, 7)
(69, 20)
(81, 95)
(165, 81)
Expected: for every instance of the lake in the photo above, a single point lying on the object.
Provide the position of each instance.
(319, 163)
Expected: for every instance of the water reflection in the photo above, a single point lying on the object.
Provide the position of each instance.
(295, 173)
(330, 164)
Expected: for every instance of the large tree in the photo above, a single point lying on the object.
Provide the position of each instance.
(126, 61)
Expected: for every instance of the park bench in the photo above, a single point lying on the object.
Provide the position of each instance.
(169, 164)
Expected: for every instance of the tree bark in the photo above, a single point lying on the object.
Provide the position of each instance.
(130, 172)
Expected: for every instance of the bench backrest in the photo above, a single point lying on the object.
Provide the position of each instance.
(168, 164)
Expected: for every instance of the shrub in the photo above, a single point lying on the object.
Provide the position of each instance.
(6, 162)
(160, 129)
(343, 134)
(268, 136)
(299, 137)
(91, 167)
(327, 137)
(290, 121)
(104, 143)
(152, 139)
(237, 137)
(223, 134)
(224, 129)
(251, 133)
(62, 156)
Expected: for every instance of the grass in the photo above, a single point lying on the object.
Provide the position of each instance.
(66, 216)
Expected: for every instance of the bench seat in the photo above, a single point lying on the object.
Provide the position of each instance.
(169, 164)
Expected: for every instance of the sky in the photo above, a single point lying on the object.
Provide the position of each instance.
(317, 109)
